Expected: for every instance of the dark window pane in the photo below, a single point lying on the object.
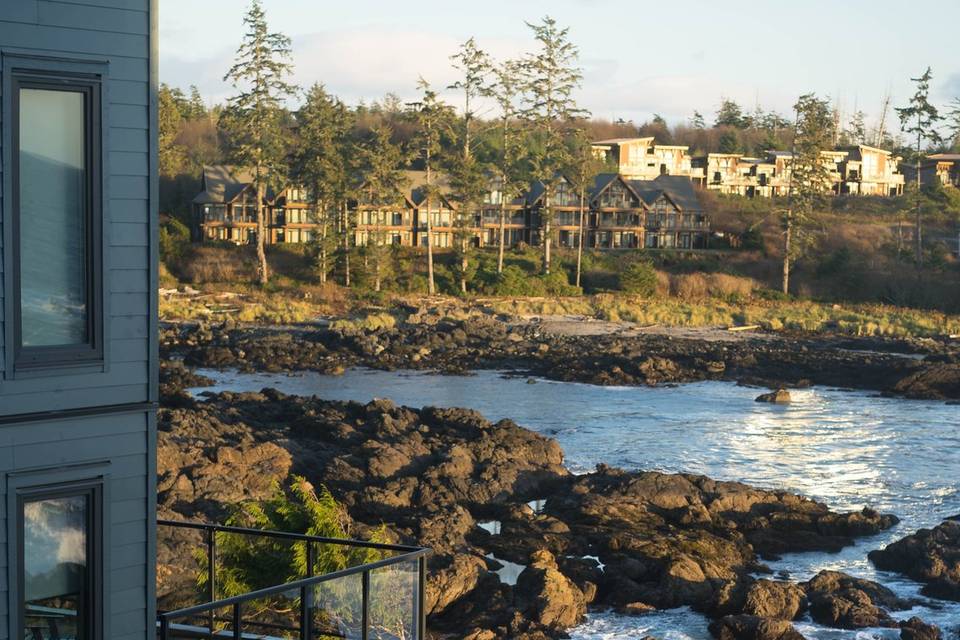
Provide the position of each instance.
(55, 566)
(53, 246)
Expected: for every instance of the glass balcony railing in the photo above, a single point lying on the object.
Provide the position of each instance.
(381, 599)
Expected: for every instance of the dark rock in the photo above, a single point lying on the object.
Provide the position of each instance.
(780, 396)
(917, 629)
(930, 556)
(745, 627)
(780, 600)
(842, 601)
(548, 597)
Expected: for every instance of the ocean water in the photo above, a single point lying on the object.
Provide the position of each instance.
(849, 449)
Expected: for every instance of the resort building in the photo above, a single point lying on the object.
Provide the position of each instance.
(857, 170)
(643, 159)
(942, 168)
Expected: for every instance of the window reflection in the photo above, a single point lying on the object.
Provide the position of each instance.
(53, 246)
(55, 568)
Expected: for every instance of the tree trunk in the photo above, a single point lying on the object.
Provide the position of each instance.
(919, 230)
(787, 248)
(503, 232)
(346, 245)
(547, 213)
(378, 255)
(263, 273)
(580, 240)
(323, 241)
(464, 263)
(431, 286)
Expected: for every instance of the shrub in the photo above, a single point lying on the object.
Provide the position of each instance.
(639, 278)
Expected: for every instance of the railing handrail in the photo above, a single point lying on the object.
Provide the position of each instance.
(406, 554)
(286, 535)
(291, 586)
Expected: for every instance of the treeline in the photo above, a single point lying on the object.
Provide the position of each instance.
(538, 133)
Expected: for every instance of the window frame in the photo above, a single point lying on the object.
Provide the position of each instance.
(90, 351)
(92, 490)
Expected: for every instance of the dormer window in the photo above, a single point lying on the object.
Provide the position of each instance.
(56, 220)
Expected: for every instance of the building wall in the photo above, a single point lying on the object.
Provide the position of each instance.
(116, 444)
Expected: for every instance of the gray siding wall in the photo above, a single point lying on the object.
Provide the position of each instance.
(115, 446)
(119, 443)
(117, 31)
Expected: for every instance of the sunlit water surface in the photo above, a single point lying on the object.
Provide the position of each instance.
(848, 449)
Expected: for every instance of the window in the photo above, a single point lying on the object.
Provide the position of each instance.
(58, 555)
(56, 220)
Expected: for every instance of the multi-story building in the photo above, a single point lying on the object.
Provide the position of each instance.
(644, 159)
(859, 170)
(621, 213)
(937, 168)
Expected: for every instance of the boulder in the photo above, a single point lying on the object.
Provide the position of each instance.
(842, 601)
(930, 556)
(548, 597)
(746, 627)
(917, 629)
(780, 600)
(780, 396)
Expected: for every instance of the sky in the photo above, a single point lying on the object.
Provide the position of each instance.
(639, 57)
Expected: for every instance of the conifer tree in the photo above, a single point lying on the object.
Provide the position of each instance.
(381, 164)
(920, 119)
(505, 89)
(581, 173)
(809, 177)
(467, 175)
(433, 120)
(321, 162)
(254, 116)
(551, 75)
(953, 123)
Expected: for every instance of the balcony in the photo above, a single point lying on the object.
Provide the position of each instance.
(382, 598)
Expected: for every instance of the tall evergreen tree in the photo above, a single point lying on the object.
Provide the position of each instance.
(730, 114)
(581, 173)
(953, 124)
(809, 177)
(322, 163)
(433, 120)
(551, 76)
(171, 155)
(467, 175)
(920, 119)
(381, 164)
(505, 89)
(254, 116)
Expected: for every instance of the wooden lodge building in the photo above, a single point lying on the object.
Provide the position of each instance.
(621, 213)
(942, 168)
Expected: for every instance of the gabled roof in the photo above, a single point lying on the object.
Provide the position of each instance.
(603, 181)
(949, 157)
(681, 190)
(222, 184)
(417, 184)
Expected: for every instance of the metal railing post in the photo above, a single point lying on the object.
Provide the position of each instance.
(306, 598)
(164, 628)
(237, 624)
(365, 605)
(422, 598)
(212, 572)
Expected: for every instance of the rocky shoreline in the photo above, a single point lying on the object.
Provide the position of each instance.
(633, 542)
(460, 341)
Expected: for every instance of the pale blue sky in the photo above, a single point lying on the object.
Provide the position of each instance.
(639, 56)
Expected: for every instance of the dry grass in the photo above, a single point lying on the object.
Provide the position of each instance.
(810, 317)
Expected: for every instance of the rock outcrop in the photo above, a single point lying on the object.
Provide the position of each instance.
(930, 556)
(606, 539)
